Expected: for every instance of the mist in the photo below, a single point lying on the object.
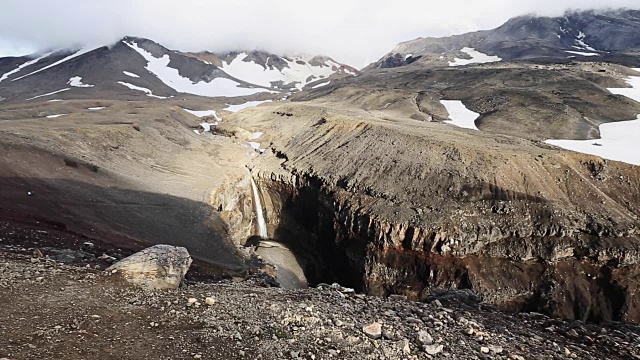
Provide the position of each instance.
(352, 31)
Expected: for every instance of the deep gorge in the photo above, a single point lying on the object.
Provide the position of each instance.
(336, 242)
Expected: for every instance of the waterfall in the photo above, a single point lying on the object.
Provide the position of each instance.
(262, 225)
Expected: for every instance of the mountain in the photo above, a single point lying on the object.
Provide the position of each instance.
(140, 67)
(600, 35)
(273, 71)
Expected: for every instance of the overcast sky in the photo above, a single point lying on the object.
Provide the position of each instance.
(353, 31)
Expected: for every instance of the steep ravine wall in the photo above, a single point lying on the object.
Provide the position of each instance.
(582, 276)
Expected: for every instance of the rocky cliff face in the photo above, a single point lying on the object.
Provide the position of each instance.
(522, 225)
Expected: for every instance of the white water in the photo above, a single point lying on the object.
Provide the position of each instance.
(262, 225)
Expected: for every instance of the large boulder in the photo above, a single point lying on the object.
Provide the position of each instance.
(157, 267)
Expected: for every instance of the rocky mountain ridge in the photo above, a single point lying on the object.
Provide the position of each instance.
(586, 35)
(140, 67)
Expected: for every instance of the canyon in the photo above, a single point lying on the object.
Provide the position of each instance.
(544, 231)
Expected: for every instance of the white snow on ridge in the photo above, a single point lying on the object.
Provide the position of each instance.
(172, 78)
(321, 85)
(580, 40)
(618, 141)
(55, 116)
(76, 81)
(256, 74)
(74, 55)
(633, 92)
(130, 74)
(139, 88)
(582, 53)
(347, 71)
(51, 93)
(236, 108)
(459, 115)
(28, 63)
(476, 58)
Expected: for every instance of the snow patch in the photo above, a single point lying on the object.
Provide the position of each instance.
(130, 74)
(633, 92)
(236, 108)
(55, 100)
(76, 81)
(256, 135)
(476, 58)
(618, 141)
(347, 71)
(580, 40)
(207, 126)
(28, 63)
(172, 78)
(459, 115)
(97, 108)
(55, 116)
(51, 93)
(203, 113)
(256, 146)
(582, 53)
(321, 85)
(139, 88)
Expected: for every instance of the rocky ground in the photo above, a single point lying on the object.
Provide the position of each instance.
(57, 311)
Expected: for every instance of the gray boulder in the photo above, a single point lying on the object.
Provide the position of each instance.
(157, 267)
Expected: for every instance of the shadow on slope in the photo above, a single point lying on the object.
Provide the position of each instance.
(118, 216)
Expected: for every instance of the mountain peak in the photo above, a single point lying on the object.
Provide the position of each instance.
(604, 34)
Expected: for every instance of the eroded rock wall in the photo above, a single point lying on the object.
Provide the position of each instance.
(400, 207)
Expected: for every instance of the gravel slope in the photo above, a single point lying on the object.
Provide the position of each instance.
(52, 310)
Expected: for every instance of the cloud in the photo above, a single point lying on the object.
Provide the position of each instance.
(354, 31)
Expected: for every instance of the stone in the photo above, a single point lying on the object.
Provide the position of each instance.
(433, 349)
(209, 301)
(404, 346)
(157, 267)
(484, 350)
(395, 297)
(424, 337)
(373, 331)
